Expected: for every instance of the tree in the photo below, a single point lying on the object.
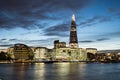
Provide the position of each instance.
(90, 56)
(3, 56)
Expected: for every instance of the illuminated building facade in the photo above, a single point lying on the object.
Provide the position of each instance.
(70, 54)
(11, 52)
(58, 44)
(91, 50)
(22, 52)
(40, 53)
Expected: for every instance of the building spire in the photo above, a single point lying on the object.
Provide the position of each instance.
(73, 34)
(73, 17)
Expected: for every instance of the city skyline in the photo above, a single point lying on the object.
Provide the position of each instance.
(40, 22)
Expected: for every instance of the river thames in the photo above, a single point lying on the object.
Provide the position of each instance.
(60, 71)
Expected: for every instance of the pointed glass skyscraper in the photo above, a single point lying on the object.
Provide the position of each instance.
(73, 34)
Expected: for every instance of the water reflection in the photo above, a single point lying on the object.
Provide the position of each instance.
(39, 71)
(59, 71)
(70, 71)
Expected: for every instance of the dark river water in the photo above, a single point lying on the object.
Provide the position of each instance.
(60, 71)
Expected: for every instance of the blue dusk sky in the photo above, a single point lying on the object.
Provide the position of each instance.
(40, 22)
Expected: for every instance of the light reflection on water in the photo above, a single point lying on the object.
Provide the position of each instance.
(59, 71)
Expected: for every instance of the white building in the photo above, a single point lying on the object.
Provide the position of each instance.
(10, 51)
(70, 54)
(40, 53)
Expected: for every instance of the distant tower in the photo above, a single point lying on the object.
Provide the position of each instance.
(58, 44)
(73, 34)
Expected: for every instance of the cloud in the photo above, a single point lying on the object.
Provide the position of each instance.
(7, 45)
(58, 30)
(27, 13)
(110, 35)
(102, 39)
(30, 32)
(114, 34)
(94, 20)
(31, 41)
(86, 41)
(118, 15)
(43, 40)
(12, 39)
(97, 40)
(115, 12)
(3, 39)
(59, 27)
